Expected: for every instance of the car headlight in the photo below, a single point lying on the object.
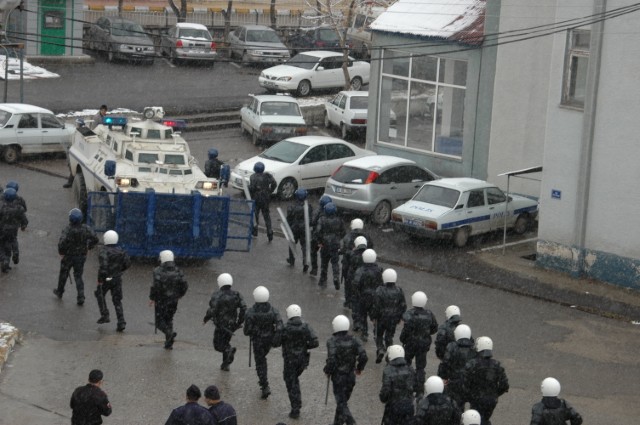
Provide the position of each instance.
(284, 79)
(124, 182)
(254, 52)
(207, 185)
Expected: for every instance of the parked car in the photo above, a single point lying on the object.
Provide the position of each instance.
(316, 38)
(313, 70)
(188, 42)
(457, 208)
(257, 44)
(121, 39)
(305, 161)
(347, 111)
(29, 129)
(271, 118)
(374, 185)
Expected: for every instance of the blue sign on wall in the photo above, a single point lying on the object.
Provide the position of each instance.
(556, 194)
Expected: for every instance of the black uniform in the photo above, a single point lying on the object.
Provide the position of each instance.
(346, 249)
(12, 218)
(295, 218)
(345, 358)
(264, 326)
(437, 409)
(330, 230)
(212, 168)
(419, 325)
(445, 335)
(451, 368)
(75, 241)
(261, 186)
(227, 310)
(484, 381)
(350, 293)
(191, 413)
(113, 262)
(315, 240)
(554, 411)
(169, 285)
(89, 404)
(398, 386)
(15, 246)
(297, 339)
(366, 280)
(388, 307)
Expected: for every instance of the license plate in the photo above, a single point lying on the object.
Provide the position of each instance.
(196, 50)
(269, 83)
(412, 222)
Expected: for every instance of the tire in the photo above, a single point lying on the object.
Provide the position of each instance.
(356, 83)
(287, 188)
(344, 132)
(522, 224)
(304, 88)
(80, 193)
(327, 123)
(11, 154)
(461, 236)
(381, 213)
(111, 57)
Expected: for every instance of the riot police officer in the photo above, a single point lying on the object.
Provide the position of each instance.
(315, 241)
(15, 247)
(113, 261)
(398, 386)
(366, 280)
(355, 260)
(330, 230)
(297, 339)
(264, 326)
(212, 165)
(347, 246)
(346, 358)
(445, 331)
(456, 356)
(227, 310)
(12, 218)
(296, 220)
(552, 410)
(436, 408)
(388, 307)
(169, 285)
(471, 417)
(261, 186)
(76, 239)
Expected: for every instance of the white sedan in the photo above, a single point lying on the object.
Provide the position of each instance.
(314, 70)
(347, 111)
(271, 118)
(456, 208)
(305, 162)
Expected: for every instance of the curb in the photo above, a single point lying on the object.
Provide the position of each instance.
(9, 335)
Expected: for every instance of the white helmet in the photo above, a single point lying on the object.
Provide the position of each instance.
(484, 343)
(419, 299)
(294, 310)
(356, 223)
(340, 323)
(471, 417)
(110, 237)
(360, 240)
(434, 384)
(369, 256)
(261, 294)
(462, 331)
(389, 276)
(166, 256)
(550, 387)
(225, 279)
(452, 310)
(394, 352)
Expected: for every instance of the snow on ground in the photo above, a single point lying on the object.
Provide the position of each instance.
(29, 72)
(8, 337)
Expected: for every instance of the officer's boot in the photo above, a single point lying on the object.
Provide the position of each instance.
(266, 391)
(231, 355)
(170, 336)
(225, 361)
(291, 260)
(120, 314)
(80, 289)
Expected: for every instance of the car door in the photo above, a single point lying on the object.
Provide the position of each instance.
(329, 75)
(496, 200)
(55, 136)
(477, 213)
(312, 168)
(250, 116)
(333, 109)
(28, 134)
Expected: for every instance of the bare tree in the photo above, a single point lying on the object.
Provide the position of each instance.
(227, 24)
(272, 12)
(181, 13)
(120, 3)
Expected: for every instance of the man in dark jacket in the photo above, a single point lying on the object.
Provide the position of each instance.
(436, 408)
(89, 403)
(15, 247)
(388, 307)
(191, 413)
(296, 221)
(261, 186)
(223, 413)
(315, 239)
(346, 358)
(169, 285)
(451, 369)
(398, 387)
(297, 339)
(113, 261)
(213, 164)
(330, 230)
(419, 324)
(484, 380)
(12, 218)
(553, 410)
(264, 326)
(445, 330)
(76, 239)
(227, 310)
(366, 280)
(355, 261)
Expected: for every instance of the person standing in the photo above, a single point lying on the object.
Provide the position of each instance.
(315, 242)
(223, 413)
(76, 240)
(346, 359)
(212, 165)
(296, 221)
(113, 261)
(12, 218)
(227, 310)
(191, 413)
(436, 408)
(347, 247)
(169, 285)
(261, 186)
(388, 308)
(330, 231)
(398, 387)
(15, 247)
(264, 326)
(297, 339)
(445, 330)
(98, 118)
(553, 410)
(366, 280)
(89, 402)
(355, 260)
(451, 369)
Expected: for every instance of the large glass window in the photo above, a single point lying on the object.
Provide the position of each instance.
(422, 102)
(575, 67)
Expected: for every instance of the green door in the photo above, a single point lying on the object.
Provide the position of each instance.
(52, 27)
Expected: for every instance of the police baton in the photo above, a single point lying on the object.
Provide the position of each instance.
(250, 339)
(155, 317)
(326, 394)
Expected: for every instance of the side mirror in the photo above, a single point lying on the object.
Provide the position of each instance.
(320, 68)
(509, 199)
(110, 168)
(459, 207)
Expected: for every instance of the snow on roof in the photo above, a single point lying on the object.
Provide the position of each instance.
(455, 20)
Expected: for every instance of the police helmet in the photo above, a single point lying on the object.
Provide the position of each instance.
(225, 279)
(357, 223)
(330, 209)
(75, 216)
(301, 194)
(13, 185)
(369, 256)
(360, 241)
(294, 310)
(394, 352)
(258, 167)
(452, 310)
(261, 294)
(484, 345)
(324, 200)
(9, 194)
(462, 331)
(419, 299)
(110, 237)
(213, 153)
(389, 276)
(471, 417)
(340, 323)
(166, 256)
(550, 387)
(434, 384)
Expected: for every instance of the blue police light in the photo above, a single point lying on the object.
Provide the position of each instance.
(175, 124)
(117, 121)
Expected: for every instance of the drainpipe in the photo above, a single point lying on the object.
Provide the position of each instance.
(588, 130)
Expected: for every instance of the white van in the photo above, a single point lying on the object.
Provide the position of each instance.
(359, 34)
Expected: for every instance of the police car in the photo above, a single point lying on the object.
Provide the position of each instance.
(456, 208)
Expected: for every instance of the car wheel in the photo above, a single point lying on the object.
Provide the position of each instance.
(344, 133)
(327, 123)
(304, 88)
(80, 192)
(522, 224)
(11, 154)
(110, 54)
(381, 213)
(461, 236)
(255, 138)
(243, 130)
(287, 188)
(356, 83)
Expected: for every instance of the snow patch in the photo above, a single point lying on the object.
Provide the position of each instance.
(29, 72)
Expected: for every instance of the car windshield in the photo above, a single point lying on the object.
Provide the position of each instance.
(130, 29)
(280, 108)
(327, 35)
(4, 118)
(285, 151)
(359, 102)
(195, 33)
(303, 61)
(437, 195)
(351, 175)
(264, 36)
